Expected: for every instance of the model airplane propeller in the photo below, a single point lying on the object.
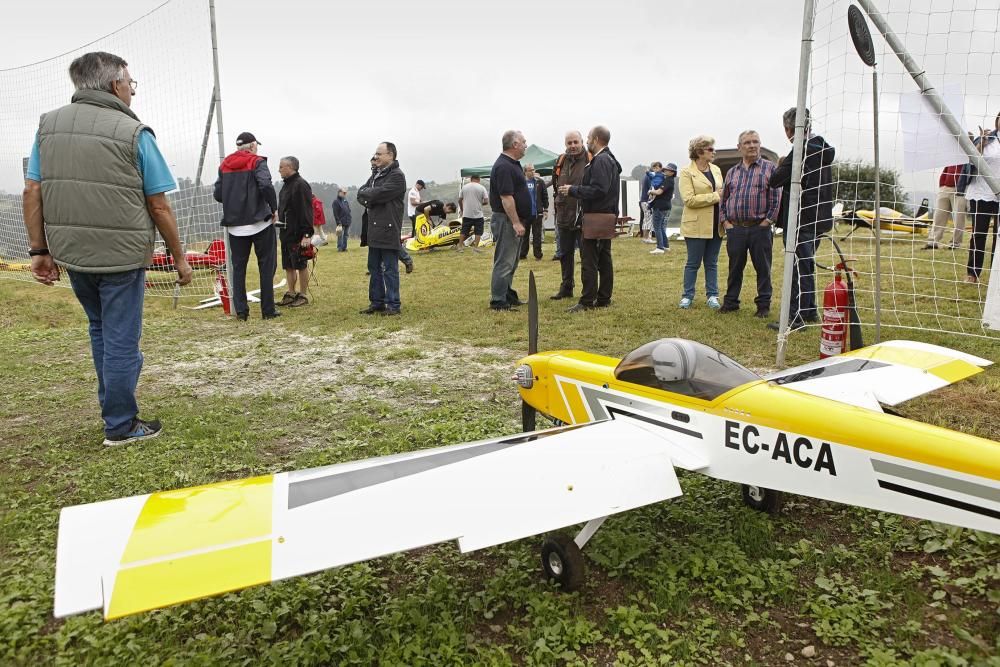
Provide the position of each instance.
(527, 410)
(623, 427)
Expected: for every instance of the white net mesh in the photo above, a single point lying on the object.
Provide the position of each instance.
(930, 279)
(169, 52)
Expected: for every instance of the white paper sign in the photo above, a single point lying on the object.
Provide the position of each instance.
(927, 143)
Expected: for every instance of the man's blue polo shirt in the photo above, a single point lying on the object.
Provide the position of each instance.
(156, 176)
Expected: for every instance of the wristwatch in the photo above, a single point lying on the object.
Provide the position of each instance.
(35, 253)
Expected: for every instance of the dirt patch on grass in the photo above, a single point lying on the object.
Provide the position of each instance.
(379, 365)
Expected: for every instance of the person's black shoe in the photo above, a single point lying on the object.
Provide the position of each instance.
(726, 308)
(388, 312)
(556, 258)
(409, 266)
(242, 317)
(522, 257)
(518, 302)
(810, 319)
(370, 310)
(579, 308)
(271, 316)
(602, 305)
(561, 295)
(763, 313)
(505, 307)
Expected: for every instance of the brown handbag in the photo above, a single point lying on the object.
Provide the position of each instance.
(599, 225)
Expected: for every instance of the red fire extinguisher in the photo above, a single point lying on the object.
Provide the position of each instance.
(836, 303)
(222, 290)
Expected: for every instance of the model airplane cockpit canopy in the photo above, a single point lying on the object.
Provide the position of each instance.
(683, 367)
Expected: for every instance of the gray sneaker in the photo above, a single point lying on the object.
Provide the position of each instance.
(139, 430)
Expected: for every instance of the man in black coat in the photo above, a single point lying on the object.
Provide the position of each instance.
(295, 210)
(598, 193)
(382, 195)
(815, 217)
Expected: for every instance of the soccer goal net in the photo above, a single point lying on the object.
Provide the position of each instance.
(925, 263)
(169, 52)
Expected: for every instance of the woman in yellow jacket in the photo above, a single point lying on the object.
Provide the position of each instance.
(701, 189)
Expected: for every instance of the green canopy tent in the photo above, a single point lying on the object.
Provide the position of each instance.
(544, 161)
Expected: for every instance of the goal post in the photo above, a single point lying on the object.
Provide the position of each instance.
(171, 51)
(938, 80)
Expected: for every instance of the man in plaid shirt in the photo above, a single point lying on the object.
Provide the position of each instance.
(748, 209)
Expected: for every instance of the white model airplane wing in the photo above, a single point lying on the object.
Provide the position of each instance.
(887, 373)
(134, 554)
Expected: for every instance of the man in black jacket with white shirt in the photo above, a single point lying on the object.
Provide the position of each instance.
(598, 193)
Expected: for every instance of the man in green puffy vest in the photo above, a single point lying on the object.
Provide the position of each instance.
(94, 197)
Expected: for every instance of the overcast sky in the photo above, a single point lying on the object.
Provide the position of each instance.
(326, 81)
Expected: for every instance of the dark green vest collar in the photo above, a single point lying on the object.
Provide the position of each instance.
(100, 98)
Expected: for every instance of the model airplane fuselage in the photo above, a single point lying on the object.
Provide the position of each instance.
(788, 432)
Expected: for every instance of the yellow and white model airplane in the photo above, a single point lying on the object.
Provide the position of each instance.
(623, 427)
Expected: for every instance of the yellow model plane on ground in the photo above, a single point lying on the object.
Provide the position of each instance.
(623, 427)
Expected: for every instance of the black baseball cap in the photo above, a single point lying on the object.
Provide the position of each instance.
(421, 183)
(246, 138)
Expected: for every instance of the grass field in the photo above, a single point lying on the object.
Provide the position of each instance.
(700, 580)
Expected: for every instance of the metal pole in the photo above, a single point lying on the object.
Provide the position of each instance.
(204, 139)
(217, 94)
(878, 212)
(218, 88)
(932, 96)
(798, 152)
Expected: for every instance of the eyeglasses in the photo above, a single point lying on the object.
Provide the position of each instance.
(711, 148)
(132, 85)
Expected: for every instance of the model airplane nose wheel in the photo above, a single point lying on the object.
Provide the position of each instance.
(562, 562)
(761, 499)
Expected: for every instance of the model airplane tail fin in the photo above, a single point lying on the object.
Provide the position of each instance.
(886, 373)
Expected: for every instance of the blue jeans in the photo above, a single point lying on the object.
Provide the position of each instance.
(113, 304)
(342, 241)
(702, 252)
(383, 284)
(403, 255)
(506, 246)
(660, 228)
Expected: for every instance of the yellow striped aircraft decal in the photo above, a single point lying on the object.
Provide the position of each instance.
(194, 542)
(947, 368)
(574, 403)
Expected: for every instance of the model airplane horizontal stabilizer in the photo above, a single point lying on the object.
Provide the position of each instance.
(145, 552)
(886, 373)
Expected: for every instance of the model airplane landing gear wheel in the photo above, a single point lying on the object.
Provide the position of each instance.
(562, 561)
(761, 499)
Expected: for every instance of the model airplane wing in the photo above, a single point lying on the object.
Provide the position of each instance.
(134, 554)
(887, 373)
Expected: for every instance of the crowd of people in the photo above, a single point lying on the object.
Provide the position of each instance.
(95, 150)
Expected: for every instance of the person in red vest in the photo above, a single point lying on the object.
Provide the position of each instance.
(319, 217)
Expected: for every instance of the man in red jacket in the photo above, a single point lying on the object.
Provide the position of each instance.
(249, 209)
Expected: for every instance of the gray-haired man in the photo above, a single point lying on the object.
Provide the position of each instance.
(95, 189)
(295, 210)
